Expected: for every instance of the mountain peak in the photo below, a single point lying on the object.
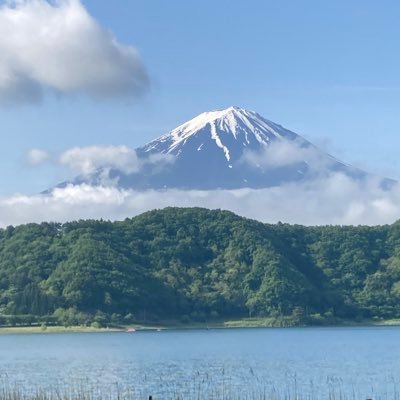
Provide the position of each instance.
(230, 131)
(228, 117)
(230, 148)
(233, 110)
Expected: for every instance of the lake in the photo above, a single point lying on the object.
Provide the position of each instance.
(314, 362)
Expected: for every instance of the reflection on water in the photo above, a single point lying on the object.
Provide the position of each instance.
(359, 362)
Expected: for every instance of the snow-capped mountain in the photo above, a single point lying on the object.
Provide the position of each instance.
(228, 149)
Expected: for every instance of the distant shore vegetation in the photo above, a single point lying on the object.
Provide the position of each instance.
(193, 265)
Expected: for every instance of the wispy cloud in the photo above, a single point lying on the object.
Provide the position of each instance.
(37, 157)
(86, 160)
(96, 164)
(336, 199)
(58, 46)
(287, 153)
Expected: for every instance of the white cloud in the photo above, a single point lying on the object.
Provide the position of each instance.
(86, 160)
(337, 199)
(157, 160)
(57, 45)
(285, 153)
(37, 156)
(97, 162)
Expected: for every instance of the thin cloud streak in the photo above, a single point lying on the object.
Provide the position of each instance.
(86, 160)
(36, 157)
(337, 199)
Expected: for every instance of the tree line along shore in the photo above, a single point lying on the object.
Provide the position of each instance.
(197, 266)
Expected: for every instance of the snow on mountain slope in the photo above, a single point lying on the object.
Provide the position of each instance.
(232, 130)
(226, 149)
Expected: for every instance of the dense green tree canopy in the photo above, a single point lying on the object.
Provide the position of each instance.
(196, 263)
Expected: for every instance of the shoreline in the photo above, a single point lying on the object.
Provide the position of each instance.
(11, 330)
(246, 323)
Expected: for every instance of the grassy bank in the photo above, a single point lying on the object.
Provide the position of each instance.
(276, 322)
(53, 329)
(267, 322)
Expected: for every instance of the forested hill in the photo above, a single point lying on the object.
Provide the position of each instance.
(196, 264)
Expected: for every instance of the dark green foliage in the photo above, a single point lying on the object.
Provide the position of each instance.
(195, 264)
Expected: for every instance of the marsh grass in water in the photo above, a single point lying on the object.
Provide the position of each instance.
(199, 388)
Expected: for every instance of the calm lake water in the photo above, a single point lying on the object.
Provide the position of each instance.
(359, 362)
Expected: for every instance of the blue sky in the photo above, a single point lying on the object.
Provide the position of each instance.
(328, 70)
